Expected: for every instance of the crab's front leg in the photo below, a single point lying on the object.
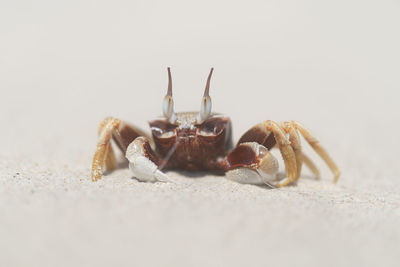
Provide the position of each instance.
(111, 129)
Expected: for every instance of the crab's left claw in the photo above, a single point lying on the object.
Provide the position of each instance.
(140, 155)
(252, 163)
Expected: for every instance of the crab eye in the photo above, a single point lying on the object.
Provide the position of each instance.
(167, 134)
(168, 108)
(162, 128)
(163, 133)
(168, 102)
(213, 126)
(205, 108)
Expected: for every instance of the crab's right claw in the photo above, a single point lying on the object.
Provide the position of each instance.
(145, 170)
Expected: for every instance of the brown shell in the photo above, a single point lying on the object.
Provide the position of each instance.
(191, 146)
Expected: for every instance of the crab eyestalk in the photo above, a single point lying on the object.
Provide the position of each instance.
(168, 102)
(205, 106)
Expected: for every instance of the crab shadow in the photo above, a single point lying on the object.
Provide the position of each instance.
(197, 174)
(202, 174)
(214, 174)
(120, 165)
(282, 175)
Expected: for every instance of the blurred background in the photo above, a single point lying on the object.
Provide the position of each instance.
(332, 65)
(65, 65)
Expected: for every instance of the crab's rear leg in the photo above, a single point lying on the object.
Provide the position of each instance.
(111, 129)
(294, 139)
(318, 148)
(301, 158)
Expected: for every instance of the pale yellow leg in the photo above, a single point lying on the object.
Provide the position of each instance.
(294, 139)
(110, 159)
(104, 153)
(314, 143)
(123, 134)
(287, 152)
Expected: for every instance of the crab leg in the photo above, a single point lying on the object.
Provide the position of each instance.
(301, 158)
(122, 133)
(110, 161)
(314, 143)
(287, 152)
(294, 139)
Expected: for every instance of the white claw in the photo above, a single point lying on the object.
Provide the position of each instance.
(146, 171)
(245, 176)
(142, 167)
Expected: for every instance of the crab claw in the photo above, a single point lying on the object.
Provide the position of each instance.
(252, 163)
(140, 164)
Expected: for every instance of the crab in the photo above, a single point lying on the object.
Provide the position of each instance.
(202, 141)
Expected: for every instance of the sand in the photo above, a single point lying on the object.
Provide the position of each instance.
(53, 215)
(60, 77)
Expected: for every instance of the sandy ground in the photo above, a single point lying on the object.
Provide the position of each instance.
(60, 77)
(53, 215)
